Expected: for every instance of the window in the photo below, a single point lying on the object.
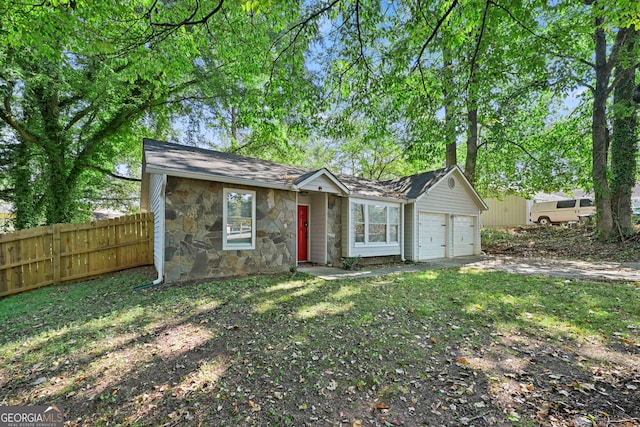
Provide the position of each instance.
(563, 204)
(239, 213)
(586, 203)
(376, 223)
(394, 224)
(358, 219)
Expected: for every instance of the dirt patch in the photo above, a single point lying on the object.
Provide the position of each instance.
(572, 243)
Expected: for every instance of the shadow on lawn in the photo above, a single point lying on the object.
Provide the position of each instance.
(438, 347)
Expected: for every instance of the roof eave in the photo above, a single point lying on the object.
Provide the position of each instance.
(330, 176)
(379, 198)
(220, 178)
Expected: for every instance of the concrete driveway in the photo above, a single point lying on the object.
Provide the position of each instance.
(581, 270)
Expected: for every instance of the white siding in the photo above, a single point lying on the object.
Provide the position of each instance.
(321, 183)
(410, 233)
(318, 228)
(156, 205)
(443, 199)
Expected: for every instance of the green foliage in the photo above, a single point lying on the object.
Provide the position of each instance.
(104, 75)
(426, 75)
(81, 82)
(350, 263)
(527, 151)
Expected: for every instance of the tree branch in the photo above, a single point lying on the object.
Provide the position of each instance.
(546, 39)
(418, 63)
(526, 152)
(362, 55)
(6, 115)
(186, 21)
(621, 38)
(474, 58)
(113, 175)
(300, 26)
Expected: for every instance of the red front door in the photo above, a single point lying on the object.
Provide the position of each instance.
(303, 233)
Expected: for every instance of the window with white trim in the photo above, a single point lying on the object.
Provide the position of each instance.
(358, 220)
(239, 219)
(376, 223)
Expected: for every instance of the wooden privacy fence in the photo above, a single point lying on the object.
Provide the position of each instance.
(44, 256)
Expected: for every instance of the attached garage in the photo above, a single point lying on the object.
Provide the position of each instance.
(432, 241)
(464, 235)
(442, 216)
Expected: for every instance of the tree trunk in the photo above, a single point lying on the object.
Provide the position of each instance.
(599, 134)
(472, 127)
(24, 210)
(450, 126)
(472, 145)
(624, 148)
(234, 129)
(59, 203)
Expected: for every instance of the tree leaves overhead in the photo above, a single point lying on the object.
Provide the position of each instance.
(401, 64)
(83, 82)
(403, 87)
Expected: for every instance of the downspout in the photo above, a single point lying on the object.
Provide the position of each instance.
(158, 216)
(296, 226)
(402, 258)
(155, 283)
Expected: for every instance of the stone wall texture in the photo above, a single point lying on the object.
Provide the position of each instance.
(334, 231)
(194, 227)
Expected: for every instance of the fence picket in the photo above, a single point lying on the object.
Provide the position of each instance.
(48, 255)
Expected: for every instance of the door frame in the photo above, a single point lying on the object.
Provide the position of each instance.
(306, 205)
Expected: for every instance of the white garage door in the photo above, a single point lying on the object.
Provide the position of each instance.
(463, 235)
(432, 236)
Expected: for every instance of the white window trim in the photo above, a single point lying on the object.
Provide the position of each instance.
(366, 243)
(244, 246)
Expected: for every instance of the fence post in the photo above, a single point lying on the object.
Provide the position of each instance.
(55, 254)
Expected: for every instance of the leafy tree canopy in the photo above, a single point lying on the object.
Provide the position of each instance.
(81, 82)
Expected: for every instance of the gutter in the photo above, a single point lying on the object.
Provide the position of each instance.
(159, 216)
(402, 234)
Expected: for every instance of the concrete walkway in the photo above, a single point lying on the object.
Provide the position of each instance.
(533, 266)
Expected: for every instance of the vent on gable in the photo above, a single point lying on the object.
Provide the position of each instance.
(452, 183)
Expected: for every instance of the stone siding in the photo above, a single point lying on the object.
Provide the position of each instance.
(194, 227)
(334, 231)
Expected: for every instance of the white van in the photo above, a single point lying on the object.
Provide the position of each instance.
(559, 211)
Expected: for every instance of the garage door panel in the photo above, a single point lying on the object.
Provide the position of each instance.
(463, 235)
(432, 239)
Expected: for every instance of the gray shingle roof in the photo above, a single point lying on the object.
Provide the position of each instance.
(415, 185)
(181, 160)
(369, 187)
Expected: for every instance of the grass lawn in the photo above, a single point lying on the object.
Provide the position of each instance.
(435, 348)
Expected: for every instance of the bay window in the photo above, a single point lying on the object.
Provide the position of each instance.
(376, 223)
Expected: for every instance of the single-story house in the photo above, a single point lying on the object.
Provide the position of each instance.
(219, 214)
